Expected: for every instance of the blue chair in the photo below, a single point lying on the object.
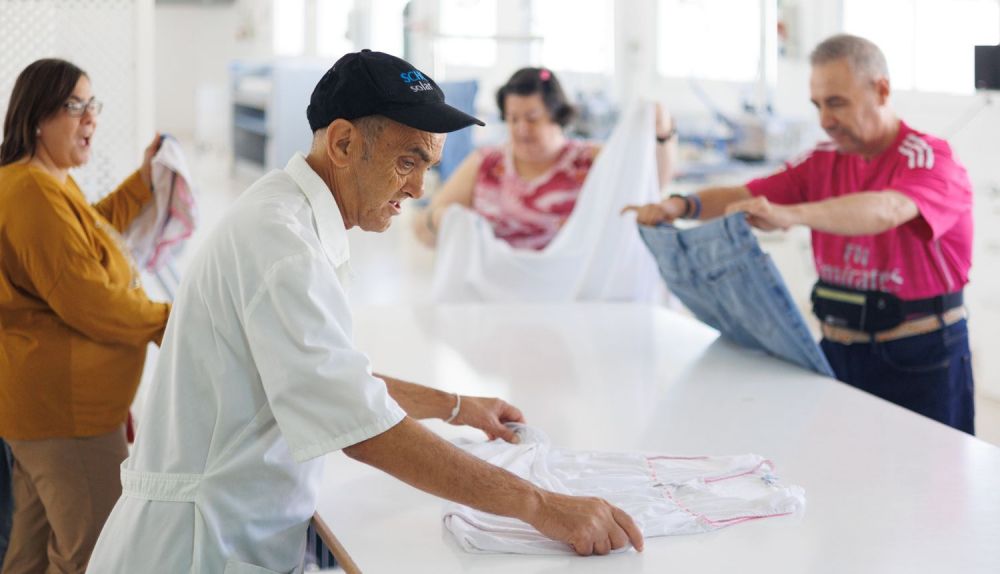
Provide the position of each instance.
(461, 95)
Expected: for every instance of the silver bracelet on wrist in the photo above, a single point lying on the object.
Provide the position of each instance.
(455, 411)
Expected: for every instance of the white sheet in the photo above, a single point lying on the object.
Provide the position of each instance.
(597, 256)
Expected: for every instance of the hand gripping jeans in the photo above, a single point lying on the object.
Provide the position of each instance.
(720, 273)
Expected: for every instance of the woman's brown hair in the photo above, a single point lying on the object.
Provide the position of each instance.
(39, 93)
(529, 81)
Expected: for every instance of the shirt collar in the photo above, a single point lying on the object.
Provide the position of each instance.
(893, 148)
(330, 224)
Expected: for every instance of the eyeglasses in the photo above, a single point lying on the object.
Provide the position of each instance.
(77, 107)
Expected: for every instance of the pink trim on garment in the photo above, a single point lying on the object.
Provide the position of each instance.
(762, 463)
(182, 193)
(722, 522)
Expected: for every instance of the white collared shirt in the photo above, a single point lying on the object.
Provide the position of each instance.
(257, 376)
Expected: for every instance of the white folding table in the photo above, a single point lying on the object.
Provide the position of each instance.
(887, 490)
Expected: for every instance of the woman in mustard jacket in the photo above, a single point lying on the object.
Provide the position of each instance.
(74, 321)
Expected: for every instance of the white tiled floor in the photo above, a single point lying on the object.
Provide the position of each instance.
(392, 267)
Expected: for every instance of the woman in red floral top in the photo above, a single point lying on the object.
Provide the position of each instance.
(527, 188)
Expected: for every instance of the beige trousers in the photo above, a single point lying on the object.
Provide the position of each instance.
(64, 490)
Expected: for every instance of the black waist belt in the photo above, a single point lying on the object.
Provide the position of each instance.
(873, 311)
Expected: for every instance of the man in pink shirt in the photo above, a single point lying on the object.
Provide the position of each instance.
(890, 210)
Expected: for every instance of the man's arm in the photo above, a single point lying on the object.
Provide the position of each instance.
(714, 201)
(863, 213)
(421, 459)
(486, 414)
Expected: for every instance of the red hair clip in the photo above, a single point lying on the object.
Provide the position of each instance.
(544, 74)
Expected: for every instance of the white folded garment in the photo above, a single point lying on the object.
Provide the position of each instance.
(665, 495)
(596, 256)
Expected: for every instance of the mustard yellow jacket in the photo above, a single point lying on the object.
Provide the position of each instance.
(74, 321)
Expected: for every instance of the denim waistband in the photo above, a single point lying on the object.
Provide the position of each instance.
(723, 237)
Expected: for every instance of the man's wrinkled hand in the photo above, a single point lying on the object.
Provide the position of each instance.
(765, 215)
(589, 525)
(489, 415)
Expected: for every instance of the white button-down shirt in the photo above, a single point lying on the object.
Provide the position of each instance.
(257, 377)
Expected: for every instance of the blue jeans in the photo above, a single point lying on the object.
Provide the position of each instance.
(6, 497)
(317, 554)
(720, 273)
(929, 374)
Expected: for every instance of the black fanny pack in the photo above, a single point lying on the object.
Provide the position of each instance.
(873, 311)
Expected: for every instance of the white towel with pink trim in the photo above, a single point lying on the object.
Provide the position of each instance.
(665, 495)
(157, 233)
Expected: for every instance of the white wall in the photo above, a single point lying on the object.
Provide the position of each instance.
(110, 41)
(194, 45)
(977, 145)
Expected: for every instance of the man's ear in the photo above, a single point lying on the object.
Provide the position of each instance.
(341, 136)
(882, 88)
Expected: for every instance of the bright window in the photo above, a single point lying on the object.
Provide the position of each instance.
(333, 22)
(928, 43)
(288, 21)
(578, 35)
(387, 26)
(710, 39)
(468, 29)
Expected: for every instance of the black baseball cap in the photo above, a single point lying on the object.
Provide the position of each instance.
(367, 83)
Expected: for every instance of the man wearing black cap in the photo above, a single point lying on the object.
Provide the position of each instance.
(258, 377)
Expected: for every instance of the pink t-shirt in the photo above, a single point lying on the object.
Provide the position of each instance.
(925, 257)
(528, 214)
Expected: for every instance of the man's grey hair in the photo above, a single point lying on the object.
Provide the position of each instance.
(864, 57)
(371, 127)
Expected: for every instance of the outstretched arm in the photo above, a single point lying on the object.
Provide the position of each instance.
(864, 213)
(714, 201)
(484, 413)
(418, 457)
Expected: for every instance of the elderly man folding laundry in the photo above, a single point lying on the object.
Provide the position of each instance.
(258, 376)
